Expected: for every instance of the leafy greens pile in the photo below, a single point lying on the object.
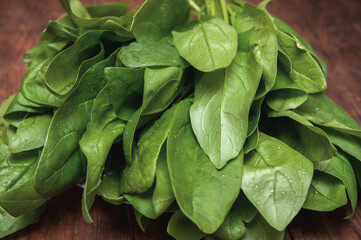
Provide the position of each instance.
(219, 118)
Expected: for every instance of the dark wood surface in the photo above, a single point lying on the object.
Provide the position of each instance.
(333, 27)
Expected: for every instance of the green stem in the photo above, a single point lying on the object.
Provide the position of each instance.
(263, 4)
(194, 5)
(224, 10)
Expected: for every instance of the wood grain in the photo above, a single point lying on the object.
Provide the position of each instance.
(333, 27)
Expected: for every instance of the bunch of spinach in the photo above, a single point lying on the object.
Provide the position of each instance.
(218, 117)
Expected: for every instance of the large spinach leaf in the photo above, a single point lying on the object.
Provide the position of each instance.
(257, 23)
(61, 163)
(103, 129)
(212, 191)
(288, 175)
(222, 101)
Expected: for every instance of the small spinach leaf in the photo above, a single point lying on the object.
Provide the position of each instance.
(208, 46)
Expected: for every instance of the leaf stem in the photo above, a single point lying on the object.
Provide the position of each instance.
(224, 10)
(263, 4)
(194, 5)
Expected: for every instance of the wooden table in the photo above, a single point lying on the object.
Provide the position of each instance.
(333, 27)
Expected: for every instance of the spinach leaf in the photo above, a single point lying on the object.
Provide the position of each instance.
(304, 137)
(304, 70)
(208, 46)
(126, 88)
(81, 17)
(150, 54)
(254, 116)
(156, 18)
(233, 227)
(222, 100)
(321, 110)
(260, 229)
(17, 192)
(285, 94)
(103, 129)
(141, 220)
(160, 89)
(76, 59)
(10, 224)
(157, 199)
(115, 9)
(301, 43)
(61, 162)
(139, 176)
(257, 23)
(109, 188)
(181, 228)
(30, 134)
(16, 112)
(325, 194)
(341, 168)
(244, 208)
(288, 175)
(190, 168)
(251, 142)
(348, 143)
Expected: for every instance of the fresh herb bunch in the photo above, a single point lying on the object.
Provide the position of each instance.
(211, 110)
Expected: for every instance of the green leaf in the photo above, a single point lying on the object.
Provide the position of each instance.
(212, 191)
(33, 86)
(109, 188)
(10, 224)
(181, 228)
(157, 199)
(141, 220)
(30, 134)
(208, 46)
(115, 9)
(221, 106)
(348, 143)
(260, 229)
(325, 194)
(103, 129)
(156, 18)
(126, 88)
(321, 110)
(288, 175)
(255, 21)
(17, 192)
(81, 17)
(303, 68)
(304, 137)
(233, 227)
(254, 116)
(61, 162)
(150, 54)
(76, 59)
(301, 43)
(285, 94)
(139, 176)
(251, 142)
(341, 168)
(244, 208)
(161, 86)
(19, 108)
